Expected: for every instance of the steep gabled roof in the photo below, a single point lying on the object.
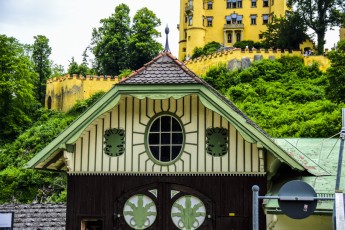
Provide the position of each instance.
(164, 69)
(163, 77)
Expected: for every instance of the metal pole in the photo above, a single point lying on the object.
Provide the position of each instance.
(255, 189)
(340, 160)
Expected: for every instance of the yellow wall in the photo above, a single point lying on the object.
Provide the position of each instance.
(199, 33)
(65, 91)
(200, 65)
(342, 33)
(314, 222)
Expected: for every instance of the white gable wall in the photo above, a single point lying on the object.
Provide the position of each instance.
(133, 114)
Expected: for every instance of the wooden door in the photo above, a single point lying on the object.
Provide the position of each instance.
(164, 206)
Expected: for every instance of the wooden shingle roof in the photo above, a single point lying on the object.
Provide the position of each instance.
(37, 216)
(163, 69)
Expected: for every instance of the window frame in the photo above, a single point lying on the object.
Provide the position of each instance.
(253, 19)
(159, 145)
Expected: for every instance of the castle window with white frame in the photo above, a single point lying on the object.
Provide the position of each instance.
(190, 20)
(209, 21)
(265, 3)
(239, 3)
(253, 3)
(253, 19)
(265, 19)
(239, 19)
(209, 5)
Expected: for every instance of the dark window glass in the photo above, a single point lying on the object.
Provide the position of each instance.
(154, 138)
(166, 143)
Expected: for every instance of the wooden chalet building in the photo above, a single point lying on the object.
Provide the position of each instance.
(164, 150)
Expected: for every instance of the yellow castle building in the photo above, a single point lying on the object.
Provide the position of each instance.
(225, 21)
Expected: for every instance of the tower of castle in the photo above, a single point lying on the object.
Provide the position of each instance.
(225, 22)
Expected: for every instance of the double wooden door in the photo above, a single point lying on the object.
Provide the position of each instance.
(164, 206)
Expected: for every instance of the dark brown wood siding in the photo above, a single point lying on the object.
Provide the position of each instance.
(99, 196)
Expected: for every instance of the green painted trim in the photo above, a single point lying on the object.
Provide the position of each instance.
(207, 97)
(147, 149)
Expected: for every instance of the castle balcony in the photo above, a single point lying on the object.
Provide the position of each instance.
(189, 9)
(233, 26)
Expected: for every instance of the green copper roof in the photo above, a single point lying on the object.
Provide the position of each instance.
(320, 157)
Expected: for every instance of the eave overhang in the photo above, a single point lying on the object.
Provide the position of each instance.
(209, 97)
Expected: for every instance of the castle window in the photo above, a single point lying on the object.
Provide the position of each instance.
(238, 37)
(165, 138)
(265, 19)
(239, 3)
(239, 19)
(253, 3)
(233, 18)
(209, 5)
(265, 3)
(228, 20)
(231, 3)
(209, 21)
(190, 20)
(229, 38)
(253, 19)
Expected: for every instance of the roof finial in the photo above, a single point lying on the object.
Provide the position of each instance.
(167, 49)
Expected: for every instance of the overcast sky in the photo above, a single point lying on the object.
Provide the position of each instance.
(68, 23)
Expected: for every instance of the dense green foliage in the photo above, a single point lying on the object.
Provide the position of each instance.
(336, 73)
(142, 45)
(285, 33)
(17, 95)
(118, 46)
(249, 44)
(40, 56)
(25, 186)
(284, 97)
(319, 15)
(209, 48)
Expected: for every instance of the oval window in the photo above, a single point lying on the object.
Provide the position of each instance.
(165, 138)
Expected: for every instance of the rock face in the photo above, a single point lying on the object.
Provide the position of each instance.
(234, 64)
(36, 216)
(246, 63)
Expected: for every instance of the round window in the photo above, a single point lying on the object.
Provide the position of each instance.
(188, 212)
(140, 211)
(165, 138)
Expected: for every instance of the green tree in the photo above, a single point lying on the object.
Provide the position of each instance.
(57, 70)
(285, 33)
(40, 56)
(209, 48)
(143, 46)
(319, 15)
(336, 73)
(17, 96)
(73, 67)
(110, 42)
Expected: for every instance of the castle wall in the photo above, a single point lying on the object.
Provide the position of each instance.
(201, 65)
(197, 32)
(63, 92)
